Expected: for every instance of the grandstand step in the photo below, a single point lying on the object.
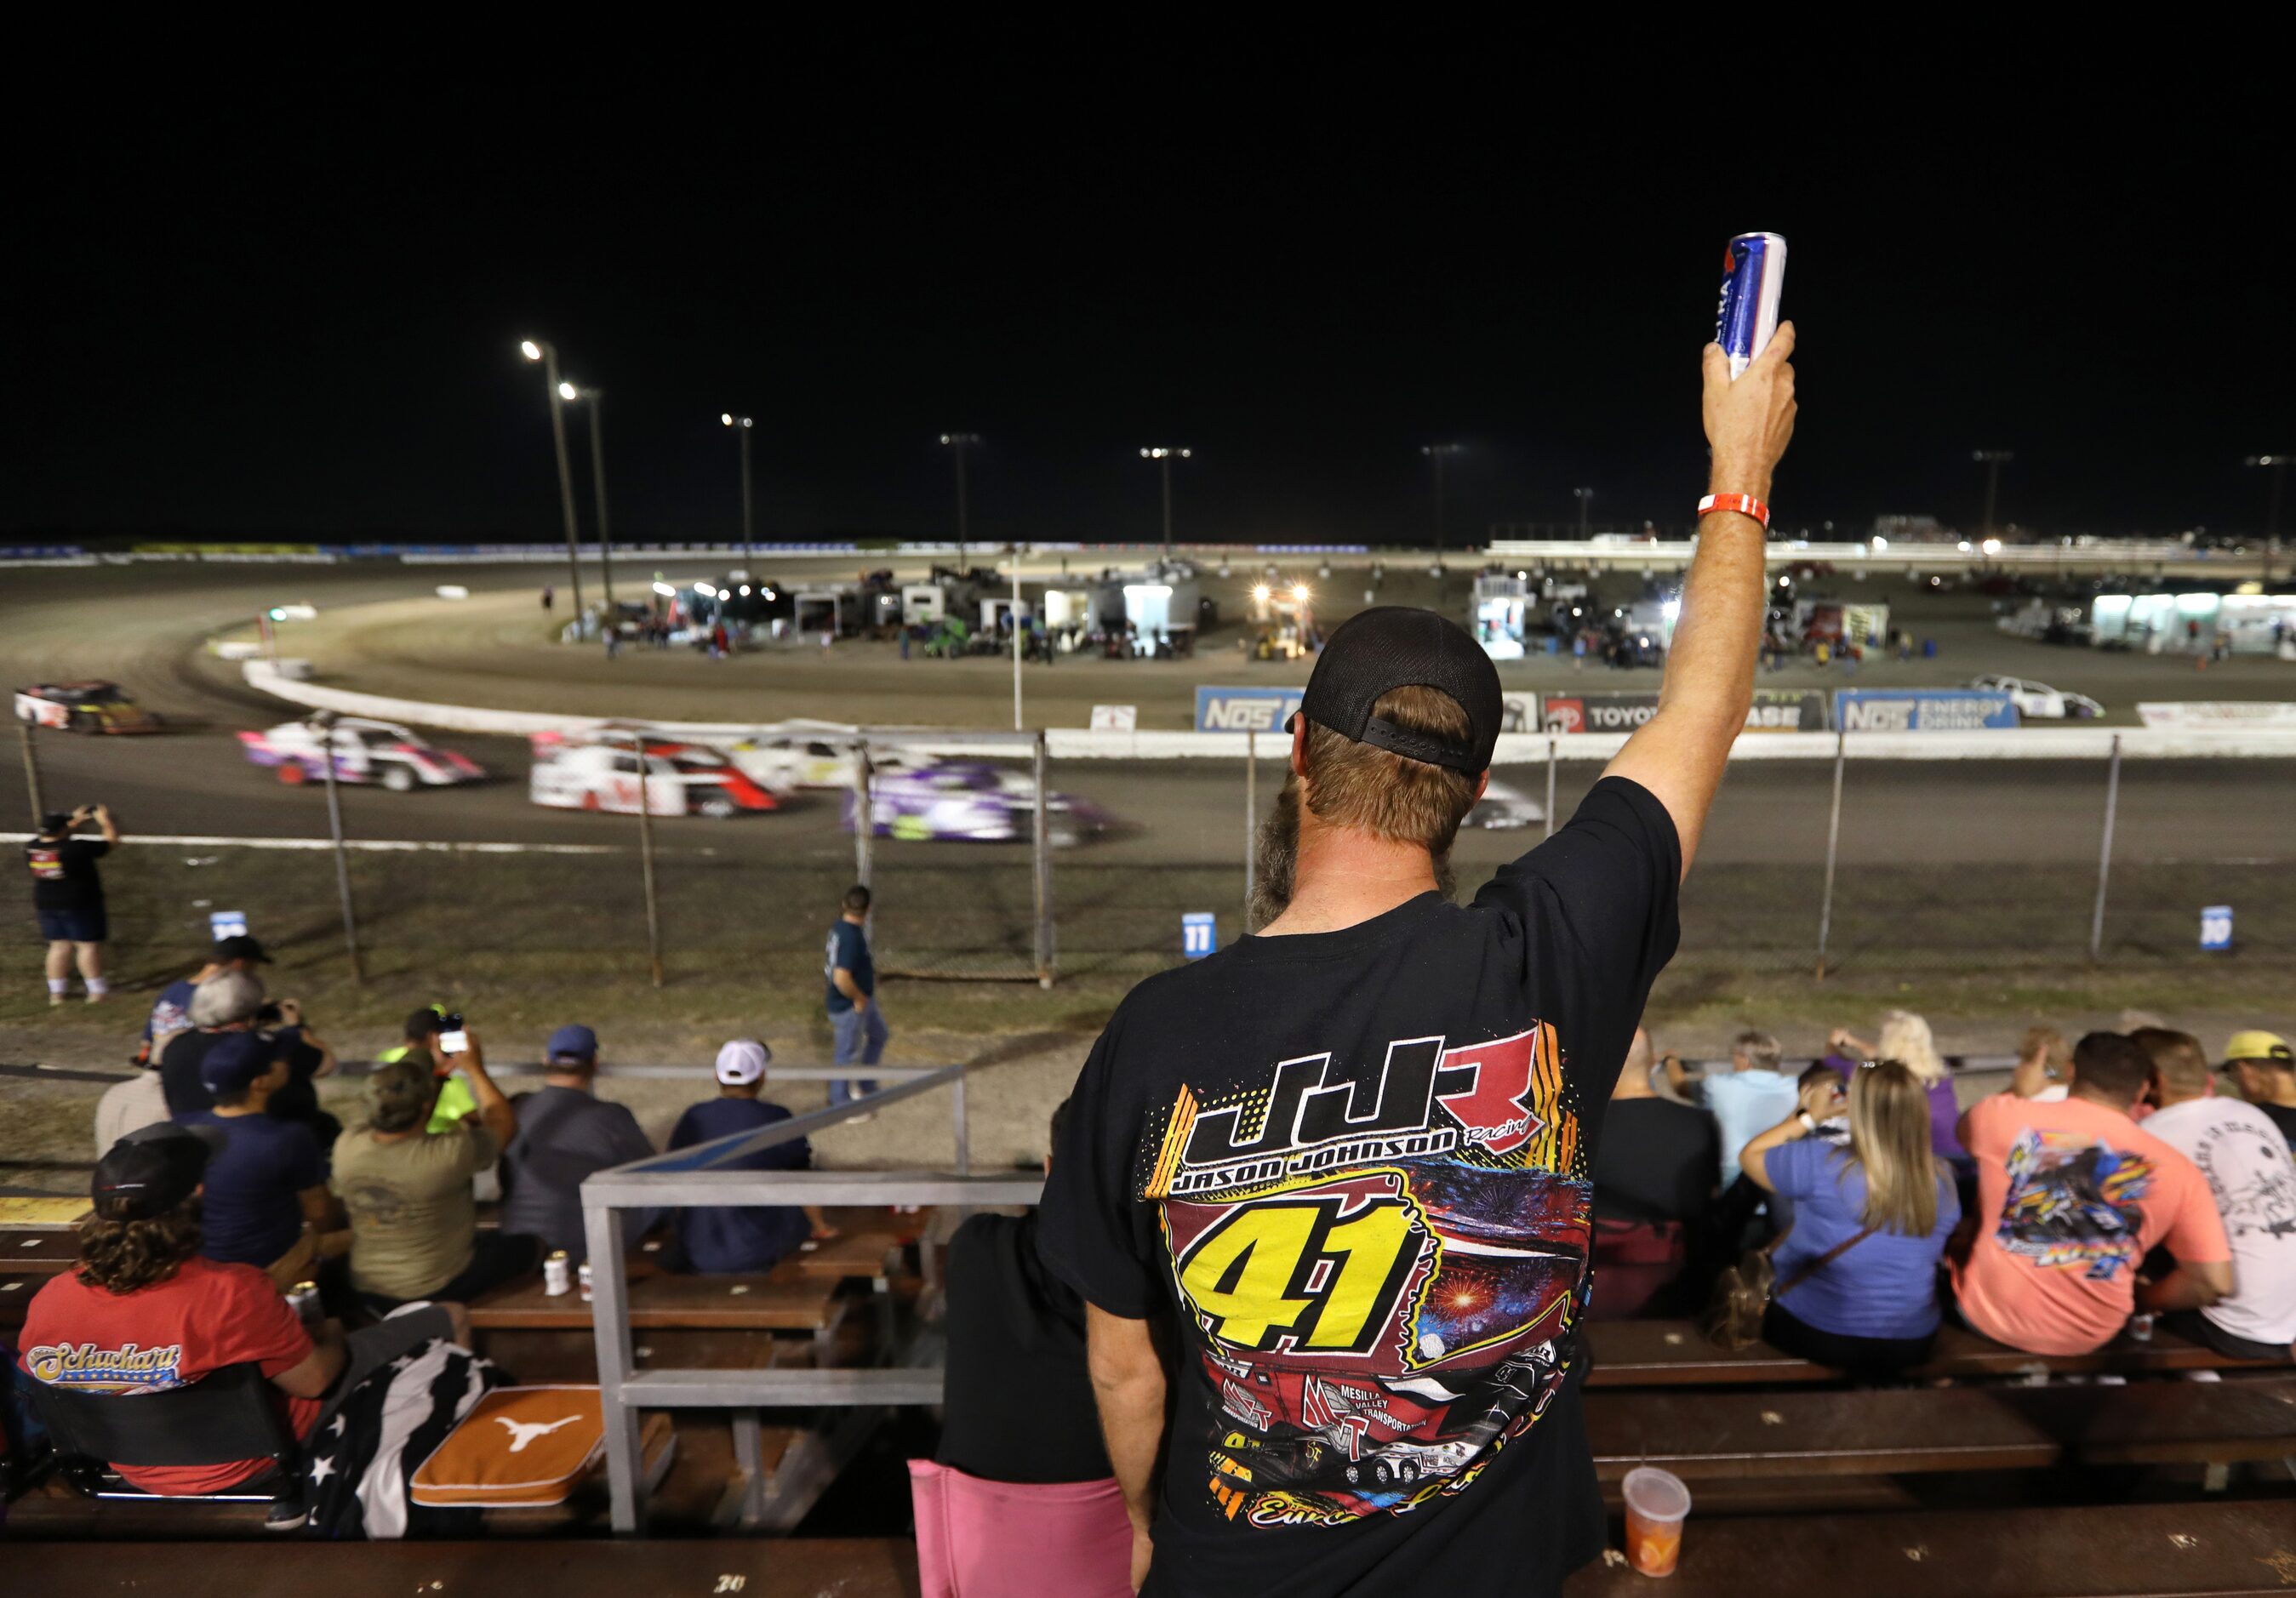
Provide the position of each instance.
(1898, 1431)
(2117, 1552)
(1673, 1353)
(591, 1568)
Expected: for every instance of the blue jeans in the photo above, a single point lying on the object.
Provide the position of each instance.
(861, 1037)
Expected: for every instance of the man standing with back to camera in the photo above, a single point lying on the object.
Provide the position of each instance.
(1351, 1155)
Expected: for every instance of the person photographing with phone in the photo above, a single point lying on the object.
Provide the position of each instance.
(435, 1032)
(68, 897)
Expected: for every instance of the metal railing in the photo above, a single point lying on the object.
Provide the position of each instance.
(689, 1178)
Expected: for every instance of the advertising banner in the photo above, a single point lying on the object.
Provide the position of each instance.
(2219, 713)
(1596, 712)
(1787, 711)
(1245, 709)
(1923, 711)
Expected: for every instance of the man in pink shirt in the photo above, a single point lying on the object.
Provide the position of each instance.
(2071, 1196)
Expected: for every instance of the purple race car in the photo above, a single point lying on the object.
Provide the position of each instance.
(971, 801)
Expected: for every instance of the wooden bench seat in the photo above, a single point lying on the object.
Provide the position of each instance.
(1897, 1431)
(1673, 1354)
(38, 1251)
(2115, 1552)
(662, 1300)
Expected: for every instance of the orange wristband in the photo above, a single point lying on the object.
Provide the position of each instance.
(1745, 504)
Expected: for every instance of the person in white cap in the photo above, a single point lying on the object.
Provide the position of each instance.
(727, 1240)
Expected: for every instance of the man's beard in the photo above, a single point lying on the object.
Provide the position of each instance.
(1275, 859)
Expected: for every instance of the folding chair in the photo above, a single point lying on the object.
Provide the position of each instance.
(231, 1414)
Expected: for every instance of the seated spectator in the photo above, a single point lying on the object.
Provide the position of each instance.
(422, 1027)
(2045, 1066)
(140, 1101)
(751, 1237)
(1857, 1274)
(231, 1000)
(1655, 1175)
(1013, 1327)
(267, 1178)
(144, 1310)
(565, 1134)
(2071, 1197)
(171, 1011)
(1750, 1096)
(415, 1225)
(2263, 1067)
(2251, 1175)
(1906, 1039)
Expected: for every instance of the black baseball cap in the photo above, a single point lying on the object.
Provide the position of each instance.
(1403, 646)
(239, 947)
(153, 1169)
(56, 821)
(426, 1022)
(236, 1060)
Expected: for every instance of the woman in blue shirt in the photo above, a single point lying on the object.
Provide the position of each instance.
(1857, 1274)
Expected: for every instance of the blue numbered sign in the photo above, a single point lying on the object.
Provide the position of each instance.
(233, 923)
(1199, 936)
(2216, 928)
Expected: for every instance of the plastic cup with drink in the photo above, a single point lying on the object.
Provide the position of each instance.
(1657, 1503)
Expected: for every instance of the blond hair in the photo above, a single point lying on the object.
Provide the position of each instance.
(1353, 784)
(1889, 1142)
(1906, 1039)
(2046, 1044)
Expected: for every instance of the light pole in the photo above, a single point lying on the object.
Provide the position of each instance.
(1991, 460)
(1436, 453)
(743, 424)
(596, 400)
(1586, 497)
(959, 443)
(543, 351)
(2278, 465)
(1163, 455)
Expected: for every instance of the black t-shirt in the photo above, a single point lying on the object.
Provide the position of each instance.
(1659, 1162)
(1019, 1404)
(1355, 1166)
(179, 1074)
(64, 873)
(2283, 1117)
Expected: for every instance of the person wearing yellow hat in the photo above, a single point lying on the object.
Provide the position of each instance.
(2263, 1067)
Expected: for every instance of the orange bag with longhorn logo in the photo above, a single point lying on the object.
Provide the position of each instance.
(519, 1447)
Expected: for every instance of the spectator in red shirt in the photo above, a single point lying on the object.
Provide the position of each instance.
(143, 1312)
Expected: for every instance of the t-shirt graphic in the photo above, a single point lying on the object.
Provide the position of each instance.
(1384, 1259)
(2074, 1204)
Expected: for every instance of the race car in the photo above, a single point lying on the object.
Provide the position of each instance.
(364, 750)
(2038, 701)
(83, 708)
(786, 761)
(679, 779)
(971, 801)
(1505, 806)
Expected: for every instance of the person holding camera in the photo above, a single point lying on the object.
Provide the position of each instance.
(68, 897)
(435, 1030)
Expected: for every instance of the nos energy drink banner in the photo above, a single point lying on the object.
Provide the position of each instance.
(1774, 711)
(1923, 709)
(1245, 709)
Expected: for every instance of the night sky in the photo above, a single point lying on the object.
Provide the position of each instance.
(244, 313)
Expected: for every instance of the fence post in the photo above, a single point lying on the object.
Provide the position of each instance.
(326, 728)
(865, 823)
(1832, 845)
(646, 858)
(1043, 861)
(961, 1127)
(1250, 819)
(1550, 784)
(32, 774)
(2104, 852)
(610, 1330)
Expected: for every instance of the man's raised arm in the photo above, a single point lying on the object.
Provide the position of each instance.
(1679, 753)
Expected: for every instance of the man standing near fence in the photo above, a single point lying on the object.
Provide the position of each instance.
(854, 1014)
(1351, 1158)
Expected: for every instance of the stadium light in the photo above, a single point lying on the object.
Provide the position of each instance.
(544, 351)
(665, 590)
(706, 590)
(1992, 461)
(1260, 592)
(2278, 465)
(1299, 592)
(1992, 546)
(571, 392)
(566, 392)
(1435, 454)
(743, 424)
(1163, 454)
(959, 443)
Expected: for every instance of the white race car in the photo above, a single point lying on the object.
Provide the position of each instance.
(1504, 807)
(784, 762)
(364, 751)
(679, 780)
(2038, 701)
